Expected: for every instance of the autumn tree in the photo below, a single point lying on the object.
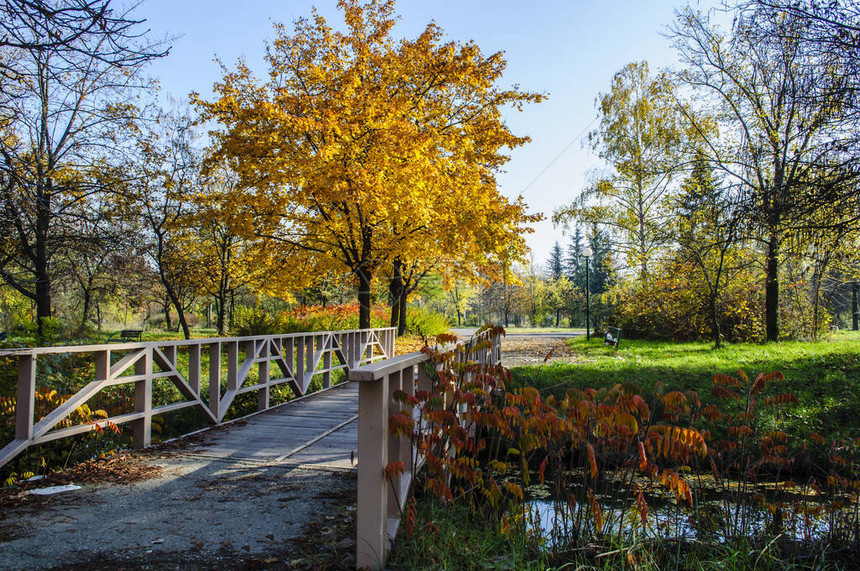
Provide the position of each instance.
(781, 113)
(92, 268)
(641, 137)
(228, 261)
(161, 199)
(554, 274)
(359, 145)
(831, 28)
(70, 72)
(573, 267)
(460, 295)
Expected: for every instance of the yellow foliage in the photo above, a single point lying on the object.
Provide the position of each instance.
(360, 148)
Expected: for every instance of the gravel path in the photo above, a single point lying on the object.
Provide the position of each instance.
(521, 350)
(194, 514)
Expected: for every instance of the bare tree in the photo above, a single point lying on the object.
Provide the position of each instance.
(70, 70)
(161, 199)
(783, 124)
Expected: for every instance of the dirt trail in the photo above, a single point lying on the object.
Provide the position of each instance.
(187, 513)
(521, 350)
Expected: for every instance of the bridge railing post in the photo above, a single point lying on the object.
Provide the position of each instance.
(293, 358)
(194, 367)
(26, 396)
(327, 346)
(142, 427)
(264, 371)
(372, 516)
(215, 379)
(380, 500)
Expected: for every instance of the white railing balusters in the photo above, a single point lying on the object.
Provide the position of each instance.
(297, 355)
(215, 380)
(26, 403)
(380, 501)
(143, 400)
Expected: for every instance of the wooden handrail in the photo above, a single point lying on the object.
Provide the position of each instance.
(380, 501)
(292, 358)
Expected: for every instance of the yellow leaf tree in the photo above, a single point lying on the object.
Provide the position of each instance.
(363, 149)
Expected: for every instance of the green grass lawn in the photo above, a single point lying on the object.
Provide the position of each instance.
(824, 375)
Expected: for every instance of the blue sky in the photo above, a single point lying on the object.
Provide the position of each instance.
(567, 49)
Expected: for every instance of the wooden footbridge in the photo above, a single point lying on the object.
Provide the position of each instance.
(324, 423)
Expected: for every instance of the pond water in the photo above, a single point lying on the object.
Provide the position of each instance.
(712, 521)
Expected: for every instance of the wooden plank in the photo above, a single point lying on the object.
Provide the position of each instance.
(118, 368)
(13, 449)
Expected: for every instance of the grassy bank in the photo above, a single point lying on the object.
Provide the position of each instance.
(824, 375)
(453, 538)
(757, 497)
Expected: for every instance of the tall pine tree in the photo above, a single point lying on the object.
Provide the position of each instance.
(555, 264)
(573, 264)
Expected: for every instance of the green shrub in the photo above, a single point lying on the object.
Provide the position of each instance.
(425, 323)
(673, 305)
(254, 321)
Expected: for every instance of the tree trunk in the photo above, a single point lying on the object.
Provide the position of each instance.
(401, 306)
(855, 314)
(42, 286)
(771, 301)
(715, 322)
(395, 289)
(180, 311)
(364, 282)
(186, 331)
(168, 324)
(232, 308)
(43, 300)
(85, 312)
(221, 315)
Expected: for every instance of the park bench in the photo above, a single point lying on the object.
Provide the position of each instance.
(126, 336)
(613, 336)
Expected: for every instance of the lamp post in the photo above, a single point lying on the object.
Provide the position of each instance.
(587, 253)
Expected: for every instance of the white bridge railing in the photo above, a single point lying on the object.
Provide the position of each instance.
(208, 373)
(380, 499)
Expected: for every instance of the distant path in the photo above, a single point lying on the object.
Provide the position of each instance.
(523, 349)
(469, 331)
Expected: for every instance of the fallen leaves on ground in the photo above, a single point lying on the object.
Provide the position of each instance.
(533, 350)
(116, 469)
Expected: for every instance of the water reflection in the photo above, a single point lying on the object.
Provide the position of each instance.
(712, 522)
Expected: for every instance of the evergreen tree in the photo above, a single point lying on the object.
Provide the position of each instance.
(573, 263)
(555, 264)
(600, 269)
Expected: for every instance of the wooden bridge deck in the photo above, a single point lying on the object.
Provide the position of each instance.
(320, 430)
